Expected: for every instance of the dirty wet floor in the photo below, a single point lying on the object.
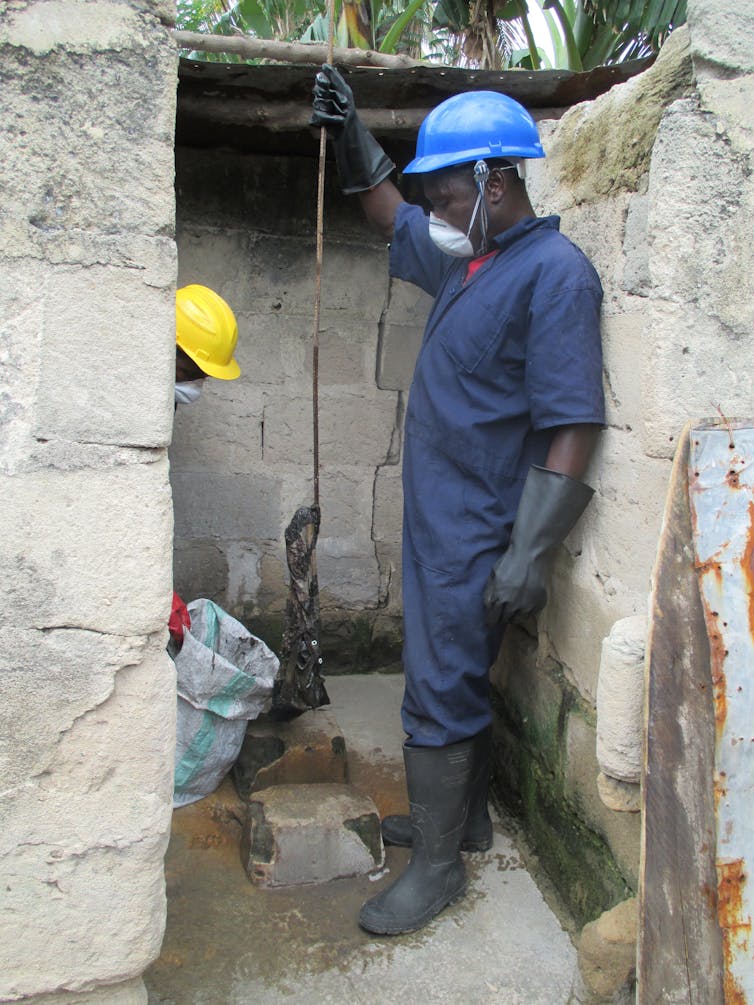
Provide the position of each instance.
(228, 942)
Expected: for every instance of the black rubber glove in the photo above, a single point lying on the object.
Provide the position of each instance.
(362, 163)
(551, 503)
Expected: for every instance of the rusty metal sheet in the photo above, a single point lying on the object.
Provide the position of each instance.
(721, 495)
(266, 108)
(421, 86)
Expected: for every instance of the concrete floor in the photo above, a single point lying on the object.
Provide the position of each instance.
(228, 942)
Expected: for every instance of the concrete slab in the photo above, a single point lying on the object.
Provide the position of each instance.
(229, 942)
(297, 834)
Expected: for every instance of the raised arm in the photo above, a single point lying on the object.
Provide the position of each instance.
(363, 166)
(379, 205)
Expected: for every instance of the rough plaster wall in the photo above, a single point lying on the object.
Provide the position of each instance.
(241, 458)
(596, 177)
(88, 274)
(665, 214)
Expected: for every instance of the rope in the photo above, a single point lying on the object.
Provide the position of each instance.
(318, 274)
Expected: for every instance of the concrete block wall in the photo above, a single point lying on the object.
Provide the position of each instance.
(88, 271)
(241, 458)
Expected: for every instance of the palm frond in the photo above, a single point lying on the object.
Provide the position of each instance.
(483, 34)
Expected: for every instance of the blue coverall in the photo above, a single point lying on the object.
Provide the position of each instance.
(507, 357)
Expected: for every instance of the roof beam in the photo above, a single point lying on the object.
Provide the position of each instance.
(288, 52)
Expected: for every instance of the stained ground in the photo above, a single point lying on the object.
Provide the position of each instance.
(228, 942)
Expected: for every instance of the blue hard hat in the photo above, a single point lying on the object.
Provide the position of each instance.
(471, 126)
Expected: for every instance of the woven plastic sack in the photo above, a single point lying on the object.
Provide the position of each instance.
(225, 678)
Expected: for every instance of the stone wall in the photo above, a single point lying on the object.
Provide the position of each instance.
(88, 276)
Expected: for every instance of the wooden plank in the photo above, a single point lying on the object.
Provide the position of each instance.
(680, 946)
(266, 108)
(290, 116)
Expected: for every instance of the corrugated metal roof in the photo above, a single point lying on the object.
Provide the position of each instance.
(267, 107)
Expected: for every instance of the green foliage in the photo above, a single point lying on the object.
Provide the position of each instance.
(198, 15)
(583, 33)
(589, 33)
(400, 24)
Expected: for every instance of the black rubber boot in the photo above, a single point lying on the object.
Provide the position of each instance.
(396, 829)
(438, 781)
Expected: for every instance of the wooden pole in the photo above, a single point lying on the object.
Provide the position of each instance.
(318, 276)
(290, 52)
(289, 116)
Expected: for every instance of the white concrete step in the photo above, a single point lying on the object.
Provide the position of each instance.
(300, 834)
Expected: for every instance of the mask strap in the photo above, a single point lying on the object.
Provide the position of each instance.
(481, 174)
(477, 204)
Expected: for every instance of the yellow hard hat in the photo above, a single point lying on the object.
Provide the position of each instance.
(206, 330)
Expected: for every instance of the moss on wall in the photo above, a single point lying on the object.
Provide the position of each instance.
(530, 775)
(605, 146)
(360, 643)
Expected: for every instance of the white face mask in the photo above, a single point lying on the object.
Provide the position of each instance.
(450, 239)
(453, 241)
(188, 391)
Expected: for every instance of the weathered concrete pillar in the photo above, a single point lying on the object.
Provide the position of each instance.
(620, 713)
(87, 286)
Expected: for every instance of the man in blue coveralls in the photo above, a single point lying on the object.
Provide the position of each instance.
(503, 414)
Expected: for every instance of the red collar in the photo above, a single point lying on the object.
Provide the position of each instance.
(476, 263)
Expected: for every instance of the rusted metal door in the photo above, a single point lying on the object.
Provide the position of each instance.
(721, 493)
(698, 819)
